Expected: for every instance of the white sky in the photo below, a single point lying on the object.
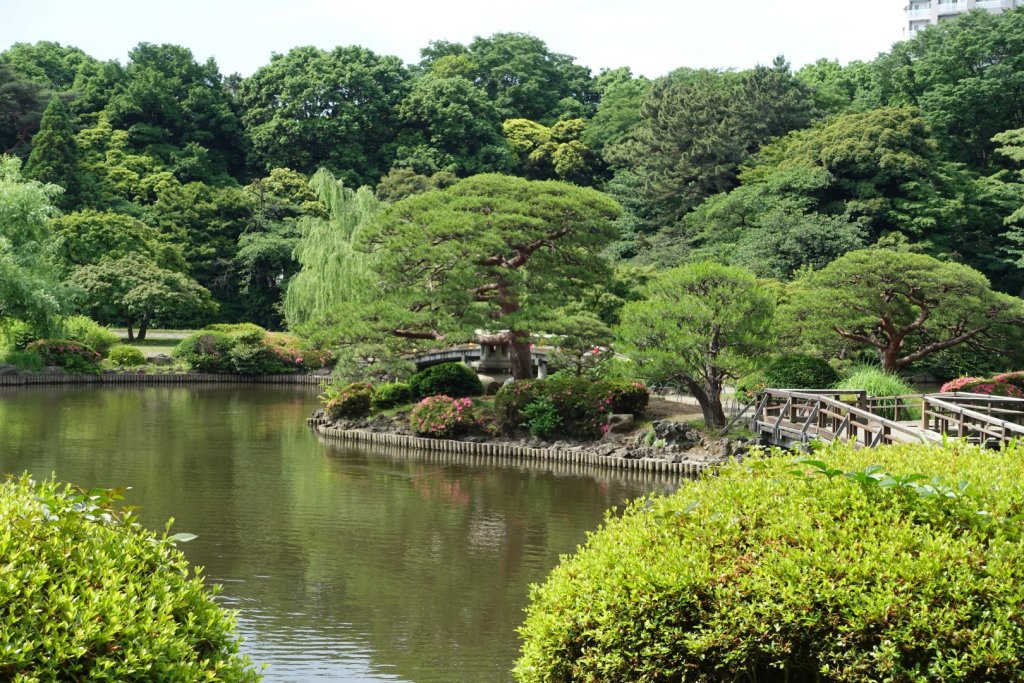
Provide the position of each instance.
(650, 36)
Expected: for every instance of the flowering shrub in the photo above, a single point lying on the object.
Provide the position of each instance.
(290, 351)
(582, 405)
(542, 418)
(70, 355)
(958, 384)
(206, 351)
(990, 387)
(626, 397)
(442, 416)
(1014, 378)
(349, 401)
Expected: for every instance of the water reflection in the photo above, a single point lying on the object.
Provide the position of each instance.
(346, 564)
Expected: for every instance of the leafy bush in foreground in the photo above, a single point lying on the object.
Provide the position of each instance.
(448, 379)
(91, 595)
(868, 565)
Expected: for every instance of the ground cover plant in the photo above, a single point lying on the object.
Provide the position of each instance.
(90, 595)
(900, 563)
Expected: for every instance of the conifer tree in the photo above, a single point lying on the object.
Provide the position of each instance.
(54, 157)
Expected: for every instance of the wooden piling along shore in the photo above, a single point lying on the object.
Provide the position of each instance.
(505, 452)
(176, 378)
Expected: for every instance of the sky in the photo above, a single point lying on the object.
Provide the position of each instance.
(652, 37)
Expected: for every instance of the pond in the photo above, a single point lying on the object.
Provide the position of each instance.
(346, 564)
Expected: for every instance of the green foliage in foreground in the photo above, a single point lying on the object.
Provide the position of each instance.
(902, 563)
(89, 595)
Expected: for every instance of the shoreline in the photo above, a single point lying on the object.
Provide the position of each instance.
(155, 378)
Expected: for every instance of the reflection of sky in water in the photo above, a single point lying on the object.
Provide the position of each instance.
(344, 564)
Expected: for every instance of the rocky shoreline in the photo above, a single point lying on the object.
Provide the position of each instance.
(663, 441)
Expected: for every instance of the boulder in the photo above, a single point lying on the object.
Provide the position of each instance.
(8, 369)
(620, 423)
(159, 359)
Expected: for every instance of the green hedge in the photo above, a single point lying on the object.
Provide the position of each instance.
(449, 379)
(67, 354)
(206, 351)
(867, 565)
(581, 405)
(350, 401)
(126, 357)
(390, 395)
(89, 595)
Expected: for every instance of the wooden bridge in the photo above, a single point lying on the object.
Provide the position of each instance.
(786, 417)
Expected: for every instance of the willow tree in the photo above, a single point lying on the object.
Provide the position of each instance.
(333, 274)
(487, 258)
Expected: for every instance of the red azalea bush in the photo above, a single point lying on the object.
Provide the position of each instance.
(70, 355)
(990, 387)
(443, 416)
(626, 397)
(1014, 378)
(958, 384)
(288, 349)
(582, 405)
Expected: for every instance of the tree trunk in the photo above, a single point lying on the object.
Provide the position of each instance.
(522, 363)
(143, 325)
(128, 326)
(710, 399)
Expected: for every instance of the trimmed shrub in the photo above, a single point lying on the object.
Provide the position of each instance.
(82, 328)
(206, 351)
(1014, 378)
(94, 596)
(251, 332)
(512, 399)
(442, 417)
(582, 405)
(758, 574)
(126, 357)
(248, 358)
(990, 387)
(626, 397)
(71, 356)
(447, 379)
(542, 418)
(958, 384)
(799, 371)
(389, 395)
(351, 401)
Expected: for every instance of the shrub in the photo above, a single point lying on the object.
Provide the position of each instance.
(126, 357)
(95, 596)
(248, 358)
(291, 351)
(389, 395)
(1014, 378)
(582, 405)
(442, 417)
(799, 371)
(877, 382)
(69, 355)
(206, 351)
(18, 334)
(448, 379)
(350, 401)
(250, 332)
(991, 387)
(749, 386)
(82, 328)
(758, 574)
(30, 361)
(542, 418)
(512, 399)
(626, 397)
(958, 384)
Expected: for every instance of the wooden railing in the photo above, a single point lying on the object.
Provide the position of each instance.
(974, 416)
(787, 417)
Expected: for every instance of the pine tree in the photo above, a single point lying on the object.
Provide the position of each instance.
(54, 158)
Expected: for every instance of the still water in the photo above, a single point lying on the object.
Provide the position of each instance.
(345, 564)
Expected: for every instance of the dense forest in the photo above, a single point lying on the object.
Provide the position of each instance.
(169, 193)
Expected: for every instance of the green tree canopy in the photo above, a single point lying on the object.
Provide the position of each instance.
(699, 325)
(310, 108)
(54, 157)
(903, 306)
(133, 290)
(491, 253)
(88, 237)
(29, 290)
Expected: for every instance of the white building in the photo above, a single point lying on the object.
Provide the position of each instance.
(921, 13)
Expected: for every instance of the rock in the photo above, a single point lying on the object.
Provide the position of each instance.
(322, 372)
(8, 369)
(159, 359)
(620, 423)
(52, 370)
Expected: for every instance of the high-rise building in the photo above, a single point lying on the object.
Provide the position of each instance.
(921, 13)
